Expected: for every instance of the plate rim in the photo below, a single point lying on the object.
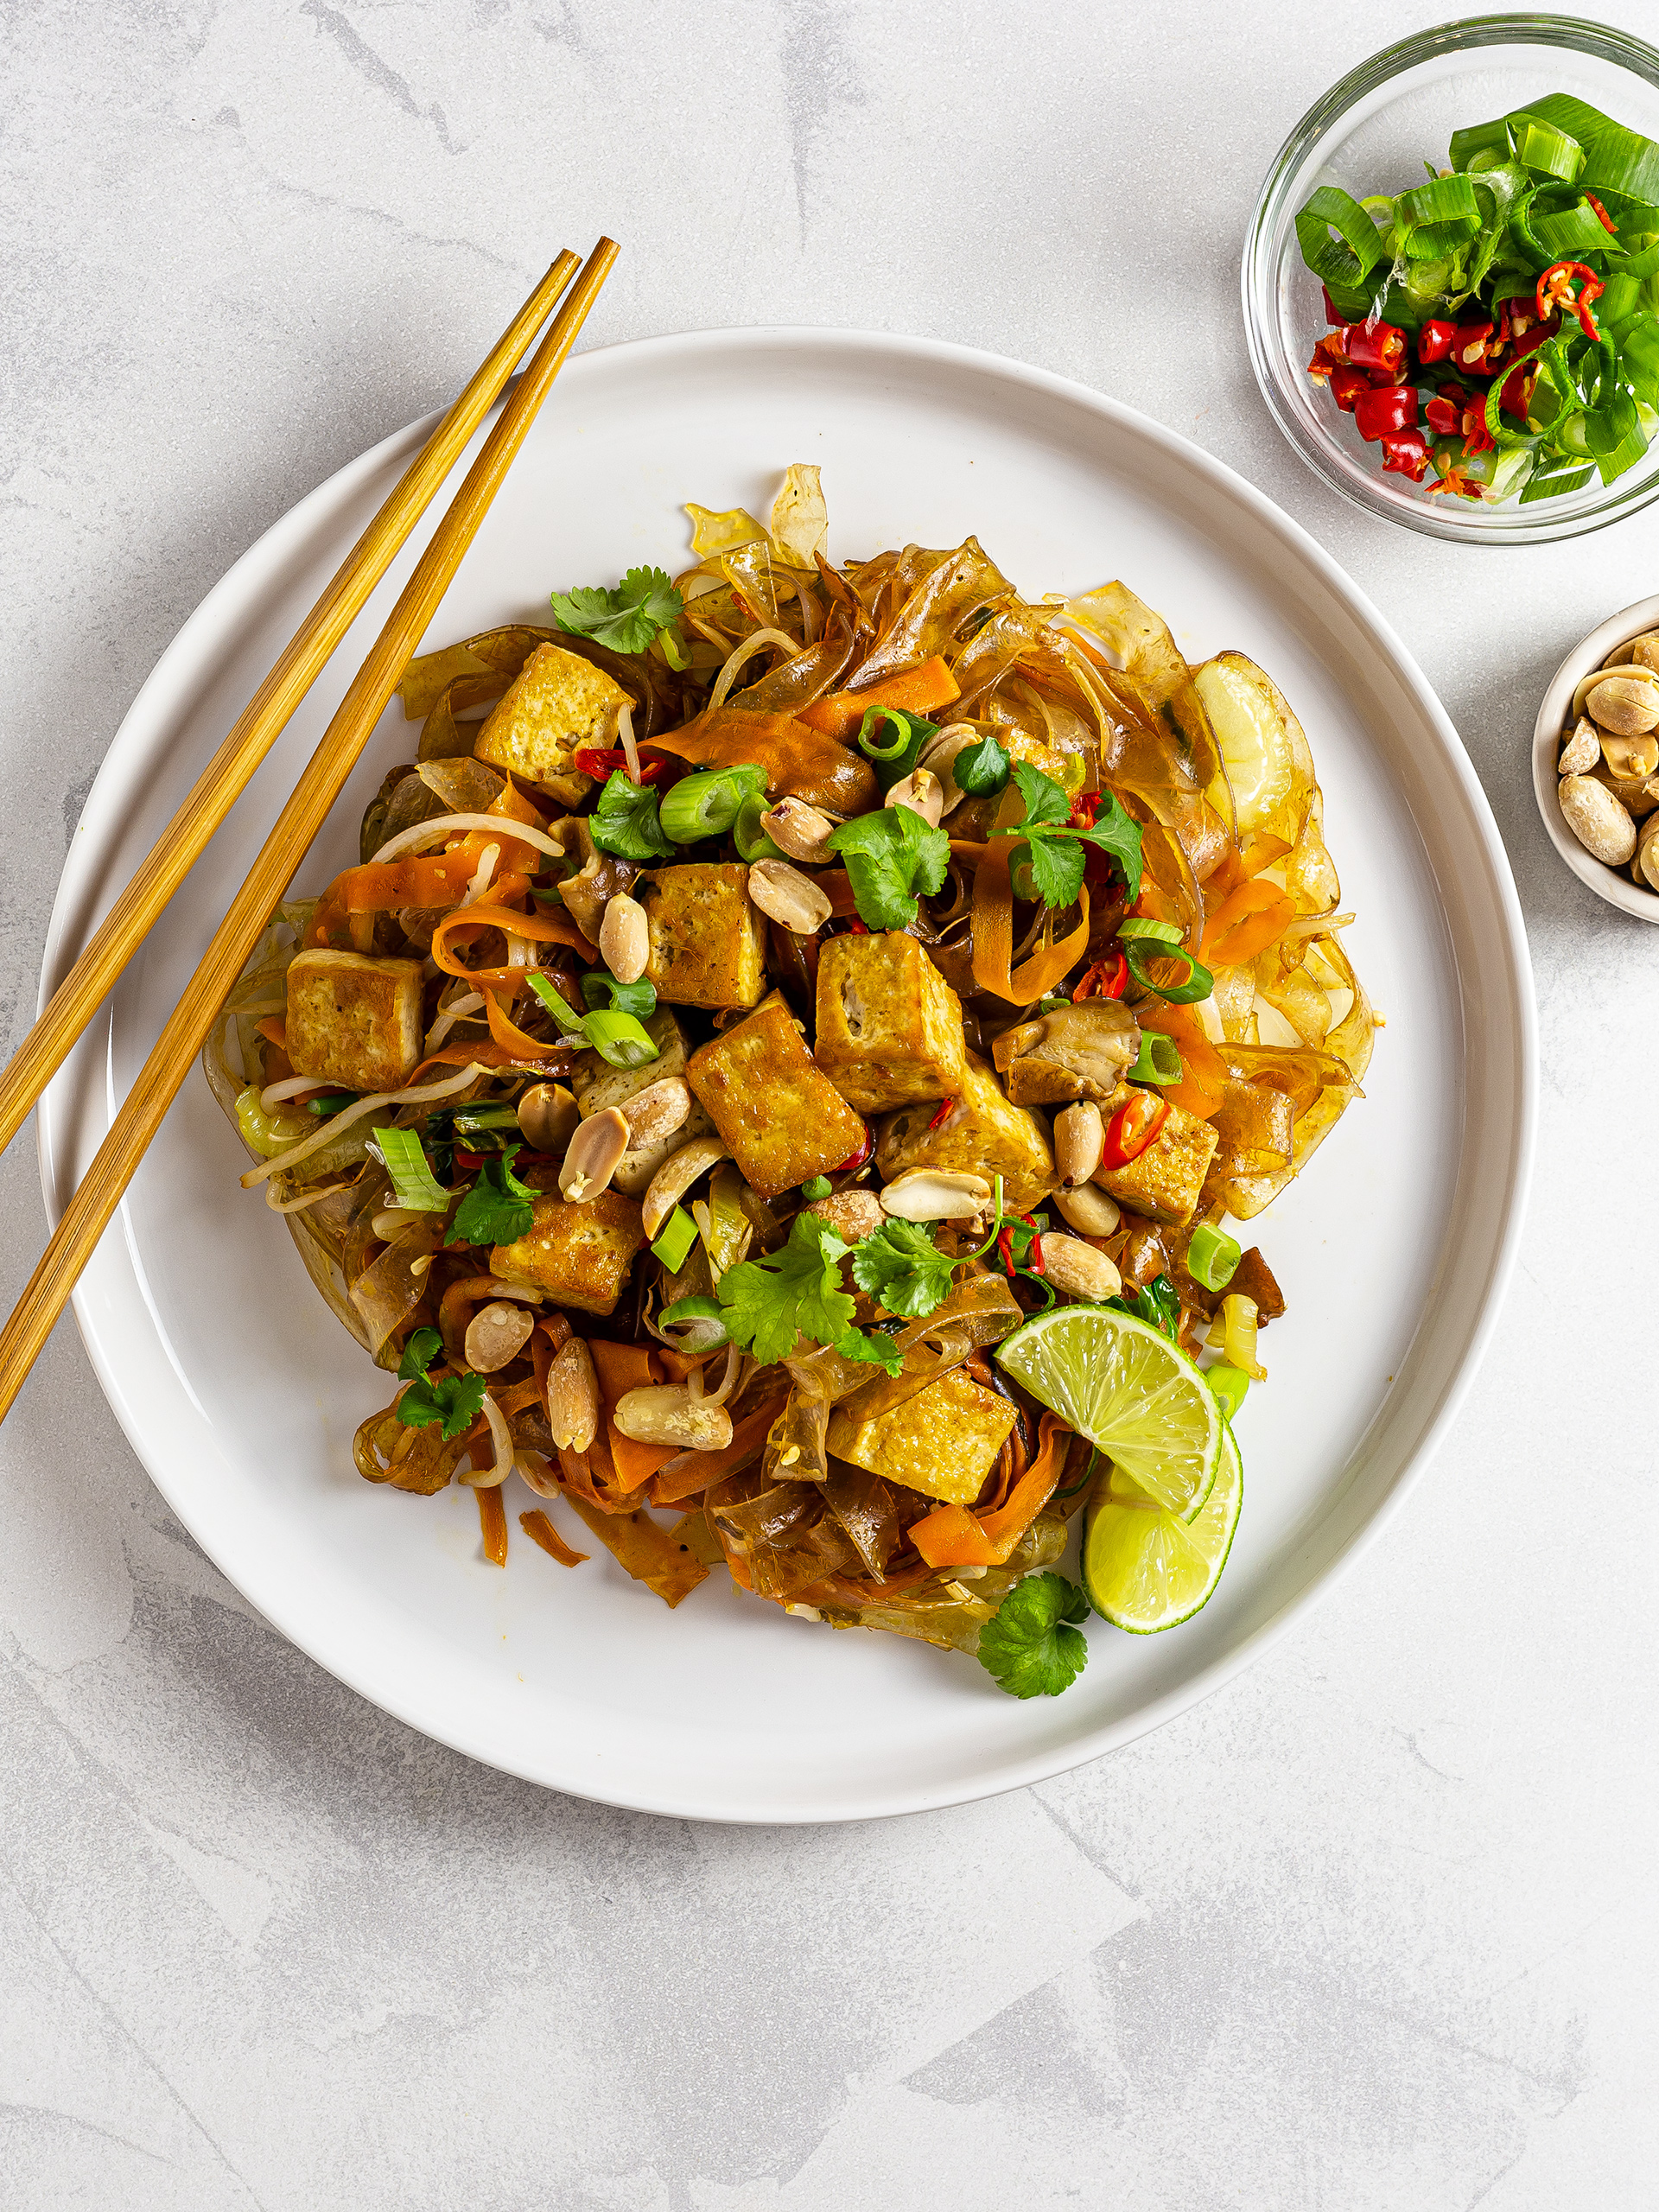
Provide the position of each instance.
(875, 1801)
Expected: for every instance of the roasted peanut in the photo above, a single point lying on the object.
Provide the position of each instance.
(1647, 852)
(675, 1177)
(1636, 794)
(496, 1333)
(547, 1116)
(1077, 1269)
(624, 938)
(788, 897)
(1631, 673)
(591, 1156)
(798, 829)
(666, 1412)
(1582, 750)
(655, 1112)
(1644, 652)
(934, 1194)
(1080, 1139)
(1088, 1210)
(572, 1397)
(922, 793)
(1600, 821)
(854, 1215)
(1626, 704)
(1631, 759)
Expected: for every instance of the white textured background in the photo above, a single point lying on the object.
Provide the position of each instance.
(1375, 1928)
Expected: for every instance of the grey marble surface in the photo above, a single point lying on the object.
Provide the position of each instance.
(1374, 1927)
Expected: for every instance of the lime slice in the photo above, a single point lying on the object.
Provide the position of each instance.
(1124, 1385)
(1145, 1569)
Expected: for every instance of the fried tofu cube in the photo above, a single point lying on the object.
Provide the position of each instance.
(557, 702)
(983, 1135)
(707, 943)
(889, 1025)
(581, 1254)
(941, 1441)
(1164, 1182)
(775, 1112)
(354, 1020)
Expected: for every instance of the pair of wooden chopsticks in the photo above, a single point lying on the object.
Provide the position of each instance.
(220, 784)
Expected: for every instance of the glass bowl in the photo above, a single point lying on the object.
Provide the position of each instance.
(1372, 133)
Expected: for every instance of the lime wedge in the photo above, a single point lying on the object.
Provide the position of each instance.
(1143, 1568)
(1124, 1385)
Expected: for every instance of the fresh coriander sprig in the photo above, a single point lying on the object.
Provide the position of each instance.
(626, 619)
(889, 857)
(454, 1400)
(768, 1304)
(497, 1210)
(1054, 843)
(1030, 1646)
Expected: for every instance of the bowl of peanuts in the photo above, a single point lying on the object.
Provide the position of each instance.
(1595, 760)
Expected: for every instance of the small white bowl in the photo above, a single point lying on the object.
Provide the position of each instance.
(1612, 884)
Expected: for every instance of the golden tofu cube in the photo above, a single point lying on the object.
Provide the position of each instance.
(941, 1442)
(1164, 1182)
(557, 702)
(707, 943)
(778, 1115)
(889, 1025)
(581, 1254)
(981, 1135)
(355, 1020)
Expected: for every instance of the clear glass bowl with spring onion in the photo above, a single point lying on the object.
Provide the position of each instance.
(1390, 128)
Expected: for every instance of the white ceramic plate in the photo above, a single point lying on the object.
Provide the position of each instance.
(240, 1392)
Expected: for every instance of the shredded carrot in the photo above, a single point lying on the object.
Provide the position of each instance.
(468, 922)
(839, 713)
(493, 1521)
(1261, 851)
(629, 1367)
(540, 1530)
(952, 1537)
(993, 931)
(650, 1553)
(1245, 924)
(1204, 1072)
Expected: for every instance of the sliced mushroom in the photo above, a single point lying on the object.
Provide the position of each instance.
(789, 897)
(498, 1333)
(547, 1117)
(1072, 1052)
(934, 1194)
(798, 829)
(666, 1412)
(675, 1177)
(625, 937)
(592, 1154)
(596, 882)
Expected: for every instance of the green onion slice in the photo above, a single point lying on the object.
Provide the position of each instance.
(1212, 1257)
(678, 1235)
(708, 804)
(696, 1309)
(601, 987)
(751, 840)
(896, 761)
(412, 1181)
(1228, 1386)
(1133, 925)
(563, 1013)
(1159, 1061)
(1197, 984)
(619, 1040)
(333, 1103)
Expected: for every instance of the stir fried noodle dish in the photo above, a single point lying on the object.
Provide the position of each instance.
(778, 1076)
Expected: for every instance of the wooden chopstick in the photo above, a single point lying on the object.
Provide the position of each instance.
(141, 1111)
(262, 721)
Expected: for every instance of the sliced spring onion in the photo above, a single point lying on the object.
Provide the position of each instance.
(1133, 925)
(333, 1103)
(1228, 1385)
(1197, 984)
(1212, 1257)
(702, 1310)
(1481, 141)
(895, 760)
(1159, 1060)
(600, 988)
(816, 1186)
(413, 1185)
(565, 1014)
(708, 804)
(751, 841)
(679, 1233)
(475, 1121)
(619, 1040)
(1543, 146)
(1235, 1329)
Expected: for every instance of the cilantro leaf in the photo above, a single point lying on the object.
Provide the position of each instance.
(419, 1353)
(1045, 800)
(1029, 1647)
(454, 1400)
(900, 1264)
(626, 619)
(875, 1349)
(981, 771)
(497, 1210)
(1056, 869)
(626, 821)
(771, 1301)
(1118, 835)
(889, 857)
